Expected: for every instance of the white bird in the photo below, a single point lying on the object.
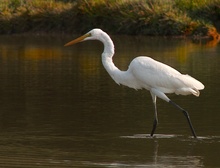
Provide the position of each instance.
(146, 73)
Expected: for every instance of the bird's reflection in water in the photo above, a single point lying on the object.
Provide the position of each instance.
(160, 158)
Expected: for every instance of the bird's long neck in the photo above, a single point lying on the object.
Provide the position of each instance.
(107, 61)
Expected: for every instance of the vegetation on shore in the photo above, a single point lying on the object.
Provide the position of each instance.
(196, 18)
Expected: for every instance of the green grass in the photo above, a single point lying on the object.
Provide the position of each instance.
(143, 17)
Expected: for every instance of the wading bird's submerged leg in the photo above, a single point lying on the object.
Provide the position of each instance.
(186, 115)
(155, 115)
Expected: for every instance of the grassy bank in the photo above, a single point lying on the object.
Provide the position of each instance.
(146, 17)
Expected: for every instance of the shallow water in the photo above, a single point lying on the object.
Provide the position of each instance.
(60, 108)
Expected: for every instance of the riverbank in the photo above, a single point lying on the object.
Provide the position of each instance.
(197, 18)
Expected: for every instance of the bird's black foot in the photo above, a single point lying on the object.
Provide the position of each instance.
(186, 114)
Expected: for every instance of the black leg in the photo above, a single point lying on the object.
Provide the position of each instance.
(154, 127)
(186, 115)
(155, 119)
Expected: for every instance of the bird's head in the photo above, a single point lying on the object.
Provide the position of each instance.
(94, 34)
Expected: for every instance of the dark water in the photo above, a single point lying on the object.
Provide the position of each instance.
(59, 107)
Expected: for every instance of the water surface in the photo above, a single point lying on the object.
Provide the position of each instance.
(60, 108)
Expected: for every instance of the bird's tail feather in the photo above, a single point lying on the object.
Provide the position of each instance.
(191, 86)
(193, 83)
(195, 92)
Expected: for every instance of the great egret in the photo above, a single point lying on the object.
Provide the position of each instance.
(145, 72)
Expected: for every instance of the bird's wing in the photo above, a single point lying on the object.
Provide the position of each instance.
(154, 74)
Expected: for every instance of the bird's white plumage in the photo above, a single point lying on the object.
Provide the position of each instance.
(145, 72)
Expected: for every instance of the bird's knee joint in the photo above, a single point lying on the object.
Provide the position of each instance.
(185, 113)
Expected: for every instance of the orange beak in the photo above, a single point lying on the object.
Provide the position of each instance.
(77, 40)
